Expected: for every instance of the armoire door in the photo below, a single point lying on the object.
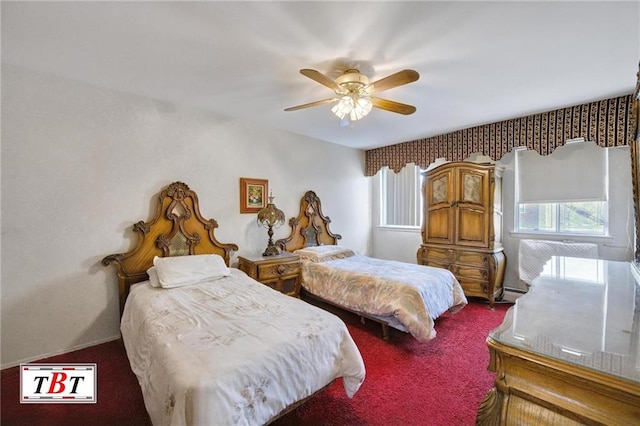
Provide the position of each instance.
(439, 192)
(472, 213)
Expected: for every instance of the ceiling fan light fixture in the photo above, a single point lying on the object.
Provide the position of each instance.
(343, 107)
(353, 106)
(355, 95)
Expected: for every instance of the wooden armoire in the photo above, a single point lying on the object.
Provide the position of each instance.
(462, 226)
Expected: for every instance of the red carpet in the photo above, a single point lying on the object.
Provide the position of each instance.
(119, 399)
(408, 383)
(440, 382)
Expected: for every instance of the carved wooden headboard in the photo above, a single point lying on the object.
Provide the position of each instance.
(310, 228)
(178, 229)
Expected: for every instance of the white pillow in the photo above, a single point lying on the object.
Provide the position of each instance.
(153, 277)
(323, 253)
(178, 271)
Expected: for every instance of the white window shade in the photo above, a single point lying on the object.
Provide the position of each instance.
(577, 171)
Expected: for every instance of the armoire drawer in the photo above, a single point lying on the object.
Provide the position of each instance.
(436, 263)
(474, 273)
(472, 287)
(460, 257)
(480, 260)
(440, 255)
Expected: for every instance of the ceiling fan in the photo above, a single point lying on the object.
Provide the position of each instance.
(354, 93)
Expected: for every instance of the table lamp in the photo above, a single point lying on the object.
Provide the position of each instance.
(271, 217)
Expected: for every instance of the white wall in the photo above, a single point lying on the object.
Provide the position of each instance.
(395, 244)
(81, 164)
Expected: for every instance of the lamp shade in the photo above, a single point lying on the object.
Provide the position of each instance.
(270, 215)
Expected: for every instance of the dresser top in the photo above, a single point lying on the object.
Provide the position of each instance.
(582, 311)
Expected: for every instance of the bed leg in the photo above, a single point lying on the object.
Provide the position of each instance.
(385, 331)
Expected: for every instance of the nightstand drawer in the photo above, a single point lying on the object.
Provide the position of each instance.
(280, 272)
(276, 270)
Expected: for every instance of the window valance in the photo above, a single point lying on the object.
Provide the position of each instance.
(609, 122)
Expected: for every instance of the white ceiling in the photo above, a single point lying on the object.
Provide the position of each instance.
(479, 62)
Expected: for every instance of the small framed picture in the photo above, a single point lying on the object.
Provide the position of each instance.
(253, 194)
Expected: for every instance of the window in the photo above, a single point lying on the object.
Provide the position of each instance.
(400, 197)
(563, 193)
(588, 217)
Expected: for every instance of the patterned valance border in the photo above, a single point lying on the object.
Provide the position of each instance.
(608, 122)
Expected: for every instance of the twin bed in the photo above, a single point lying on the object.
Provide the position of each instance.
(404, 296)
(210, 345)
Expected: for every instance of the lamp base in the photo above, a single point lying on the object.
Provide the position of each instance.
(271, 251)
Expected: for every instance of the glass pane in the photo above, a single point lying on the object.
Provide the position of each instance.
(537, 217)
(582, 218)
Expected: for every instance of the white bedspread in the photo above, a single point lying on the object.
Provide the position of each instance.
(232, 351)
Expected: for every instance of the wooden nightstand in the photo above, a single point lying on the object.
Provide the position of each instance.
(280, 272)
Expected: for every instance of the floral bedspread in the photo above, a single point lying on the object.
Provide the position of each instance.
(232, 351)
(413, 294)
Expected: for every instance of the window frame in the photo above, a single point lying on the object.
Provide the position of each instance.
(383, 198)
(557, 215)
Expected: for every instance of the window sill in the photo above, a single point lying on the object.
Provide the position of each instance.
(392, 228)
(561, 237)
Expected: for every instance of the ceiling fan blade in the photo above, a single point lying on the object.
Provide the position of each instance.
(393, 106)
(394, 80)
(320, 78)
(311, 104)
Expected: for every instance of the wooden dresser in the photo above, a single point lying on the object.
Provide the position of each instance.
(568, 351)
(281, 272)
(462, 226)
